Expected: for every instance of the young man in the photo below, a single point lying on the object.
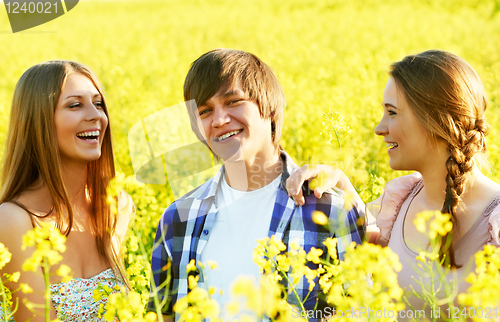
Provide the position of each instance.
(238, 113)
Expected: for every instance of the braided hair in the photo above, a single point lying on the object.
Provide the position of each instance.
(448, 98)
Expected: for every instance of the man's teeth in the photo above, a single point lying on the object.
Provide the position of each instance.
(228, 134)
(89, 133)
(392, 145)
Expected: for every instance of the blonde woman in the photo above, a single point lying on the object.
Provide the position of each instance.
(58, 163)
(433, 123)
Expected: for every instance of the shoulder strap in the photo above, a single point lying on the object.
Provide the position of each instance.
(492, 205)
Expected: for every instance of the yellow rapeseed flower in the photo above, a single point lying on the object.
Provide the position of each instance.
(133, 243)
(366, 278)
(196, 306)
(49, 244)
(5, 255)
(150, 317)
(193, 281)
(331, 245)
(483, 293)
(314, 254)
(191, 267)
(14, 277)
(212, 264)
(433, 223)
(25, 288)
(64, 271)
(319, 218)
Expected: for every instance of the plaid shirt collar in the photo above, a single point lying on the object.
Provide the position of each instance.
(213, 185)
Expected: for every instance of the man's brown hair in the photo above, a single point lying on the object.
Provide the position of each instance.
(219, 69)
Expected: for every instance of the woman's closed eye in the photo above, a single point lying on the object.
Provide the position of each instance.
(75, 105)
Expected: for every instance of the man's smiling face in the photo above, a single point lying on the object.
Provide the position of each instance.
(234, 127)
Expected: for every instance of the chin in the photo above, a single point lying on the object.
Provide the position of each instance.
(93, 158)
(396, 166)
(400, 167)
(228, 152)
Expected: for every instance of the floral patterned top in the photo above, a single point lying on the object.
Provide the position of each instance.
(74, 301)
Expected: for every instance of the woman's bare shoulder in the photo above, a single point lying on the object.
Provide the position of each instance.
(480, 195)
(14, 224)
(486, 189)
(13, 219)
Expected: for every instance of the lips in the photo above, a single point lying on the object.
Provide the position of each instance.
(227, 135)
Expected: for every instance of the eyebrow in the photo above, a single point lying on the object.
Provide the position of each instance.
(386, 105)
(81, 96)
(231, 93)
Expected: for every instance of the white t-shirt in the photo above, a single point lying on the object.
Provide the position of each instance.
(243, 217)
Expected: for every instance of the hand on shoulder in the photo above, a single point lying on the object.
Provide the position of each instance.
(126, 212)
(322, 178)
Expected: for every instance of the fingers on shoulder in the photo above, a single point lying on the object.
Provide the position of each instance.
(297, 178)
(126, 206)
(126, 212)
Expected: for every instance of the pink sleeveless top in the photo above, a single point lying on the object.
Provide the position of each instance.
(391, 209)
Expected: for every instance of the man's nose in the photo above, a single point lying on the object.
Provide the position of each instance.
(220, 117)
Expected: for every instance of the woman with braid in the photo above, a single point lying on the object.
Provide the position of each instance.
(433, 123)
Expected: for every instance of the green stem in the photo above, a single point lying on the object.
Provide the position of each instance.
(4, 300)
(46, 267)
(338, 141)
(433, 303)
(158, 306)
(337, 136)
(303, 309)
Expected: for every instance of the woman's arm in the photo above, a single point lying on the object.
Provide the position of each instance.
(14, 223)
(326, 177)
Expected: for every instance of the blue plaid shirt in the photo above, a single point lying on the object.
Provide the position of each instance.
(186, 224)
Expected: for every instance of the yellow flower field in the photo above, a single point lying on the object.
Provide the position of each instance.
(329, 55)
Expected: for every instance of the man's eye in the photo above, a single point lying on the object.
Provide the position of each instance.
(204, 111)
(234, 101)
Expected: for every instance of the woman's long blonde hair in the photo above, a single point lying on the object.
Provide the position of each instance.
(32, 153)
